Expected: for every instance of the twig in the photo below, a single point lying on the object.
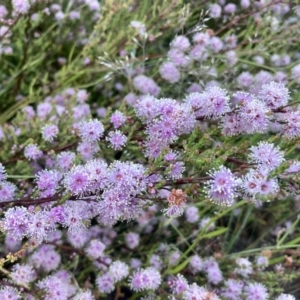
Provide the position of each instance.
(244, 16)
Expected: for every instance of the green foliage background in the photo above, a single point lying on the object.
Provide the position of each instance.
(33, 71)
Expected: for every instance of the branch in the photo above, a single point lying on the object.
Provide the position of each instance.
(30, 201)
(244, 16)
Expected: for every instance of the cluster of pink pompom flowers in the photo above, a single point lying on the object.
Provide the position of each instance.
(159, 180)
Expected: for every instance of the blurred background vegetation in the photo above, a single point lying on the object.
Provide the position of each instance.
(49, 56)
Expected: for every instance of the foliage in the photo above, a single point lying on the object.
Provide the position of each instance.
(149, 149)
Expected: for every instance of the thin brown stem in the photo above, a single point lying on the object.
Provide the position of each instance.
(188, 180)
(236, 21)
(119, 294)
(30, 201)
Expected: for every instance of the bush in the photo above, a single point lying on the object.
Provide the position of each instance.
(149, 150)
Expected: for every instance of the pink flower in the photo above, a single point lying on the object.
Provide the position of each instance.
(49, 132)
(117, 139)
(145, 279)
(221, 189)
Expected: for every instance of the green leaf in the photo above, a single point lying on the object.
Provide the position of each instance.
(214, 233)
(178, 268)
